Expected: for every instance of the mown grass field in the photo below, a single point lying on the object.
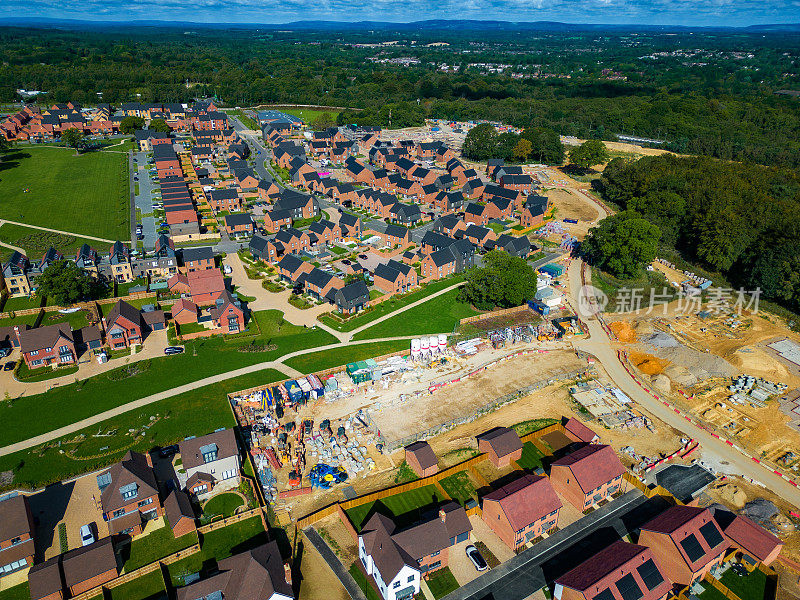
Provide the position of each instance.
(325, 359)
(531, 457)
(32, 415)
(438, 315)
(308, 114)
(52, 187)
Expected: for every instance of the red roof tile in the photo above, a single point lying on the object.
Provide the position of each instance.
(593, 465)
(752, 538)
(526, 500)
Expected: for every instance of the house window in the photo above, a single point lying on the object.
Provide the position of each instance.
(34, 352)
(119, 513)
(201, 489)
(410, 578)
(16, 541)
(229, 474)
(396, 584)
(145, 502)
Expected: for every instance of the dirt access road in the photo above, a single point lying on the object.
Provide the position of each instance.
(601, 347)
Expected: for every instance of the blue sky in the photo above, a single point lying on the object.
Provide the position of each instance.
(667, 12)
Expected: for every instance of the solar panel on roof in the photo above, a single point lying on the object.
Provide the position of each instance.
(711, 534)
(692, 547)
(650, 574)
(604, 595)
(628, 588)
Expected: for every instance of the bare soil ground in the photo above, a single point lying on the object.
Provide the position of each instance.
(318, 580)
(572, 206)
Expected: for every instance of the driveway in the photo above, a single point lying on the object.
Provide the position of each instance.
(460, 565)
(144, 199)
(522, 575)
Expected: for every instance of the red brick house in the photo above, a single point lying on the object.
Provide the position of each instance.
(422, 459)
(502, 444)
(227, 313)
(522, 511)
(123, 326)
(686, 542)
(16, 534)
(477, 214)
(49, 345)
(178, 284)
(129, 494)
(621, 571)
(267, 190)
(184, 311)
(326, 231)
(321, 284)
(227, 199)
(205, 286)
(290, 268)
(74, 572)
(587, 476)
(395, 278)
(439, 264)
(396, 235)
(350, 225)
(750, 539)
(533, 211)
(499, 208)
(240, 225)
(180, 513)
(277, 219)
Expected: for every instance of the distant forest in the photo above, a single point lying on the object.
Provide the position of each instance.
(742, 221)
(704, 94)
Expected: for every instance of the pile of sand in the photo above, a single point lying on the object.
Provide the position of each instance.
(680, 376)
(733, 495)
(659, 339)
(644, 327)
(661, 383)
(623, 331)
(647, 363)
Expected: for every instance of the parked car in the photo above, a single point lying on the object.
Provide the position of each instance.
(168, 451)
(5, 352)
(87, 537)
(173, 350)
(9, 366)
(476, 558)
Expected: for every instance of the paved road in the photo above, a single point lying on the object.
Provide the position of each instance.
(72, 233)
(144, 199)
(535, 567)
(601, 347)
(350, 585)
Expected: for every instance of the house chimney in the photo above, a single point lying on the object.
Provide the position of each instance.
(105, 327)
(442, 515)
(16, 332)
(287, 573)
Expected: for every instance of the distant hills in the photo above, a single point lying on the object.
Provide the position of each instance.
(414, 26)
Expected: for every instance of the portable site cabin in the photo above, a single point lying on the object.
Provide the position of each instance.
(359, 372)
(293, 390)
(552, 269)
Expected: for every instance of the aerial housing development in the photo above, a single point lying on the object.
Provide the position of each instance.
(400, 338)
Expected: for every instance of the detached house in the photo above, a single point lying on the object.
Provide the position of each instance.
(129, 494)
(587, 476)
(290, 268)
(522, 511)
(686, 541)
(477, 214)
(209, 461)
(227, 313)
(240, 225)
(15, 275)
(123, 326)
(396, 235)
(49, 345)
(321, 284)
(622, 571)
(227, 199)
(197, 259)
(74, 572)
(533, 211)
(350, 225)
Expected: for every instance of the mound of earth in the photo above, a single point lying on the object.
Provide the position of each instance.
(659, 339)
(623, 331)
(661, 383)
(680, 376)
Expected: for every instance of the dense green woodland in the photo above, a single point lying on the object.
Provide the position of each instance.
(720, 102)
(736, 219)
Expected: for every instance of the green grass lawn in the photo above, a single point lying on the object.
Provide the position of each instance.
(361, 580)
(497, 228)
(21, 303)
(222, 504)
(338, 250)
(43, 373)
(325, 359)
(233, 539)
(749, 587)
(19, 592)
(36, 242)
(75, 319)
(197, 412)
(147, 587)
(52, 187)
(525, 427)
(711, 593)
(308, 114)
(389, 306)
(185, 328)
(459, 486)
(35, 414)
(438, 315)
(404, 506)
(531, 457)
(246, 121)
(442, 582)
(144, 550)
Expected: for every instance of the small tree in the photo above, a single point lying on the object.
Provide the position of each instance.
(323, 121)
(73, 138)
(588, 154)
(5, 145)
(65, 282)
(523, 149)
(130, 124)
(159, 125)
